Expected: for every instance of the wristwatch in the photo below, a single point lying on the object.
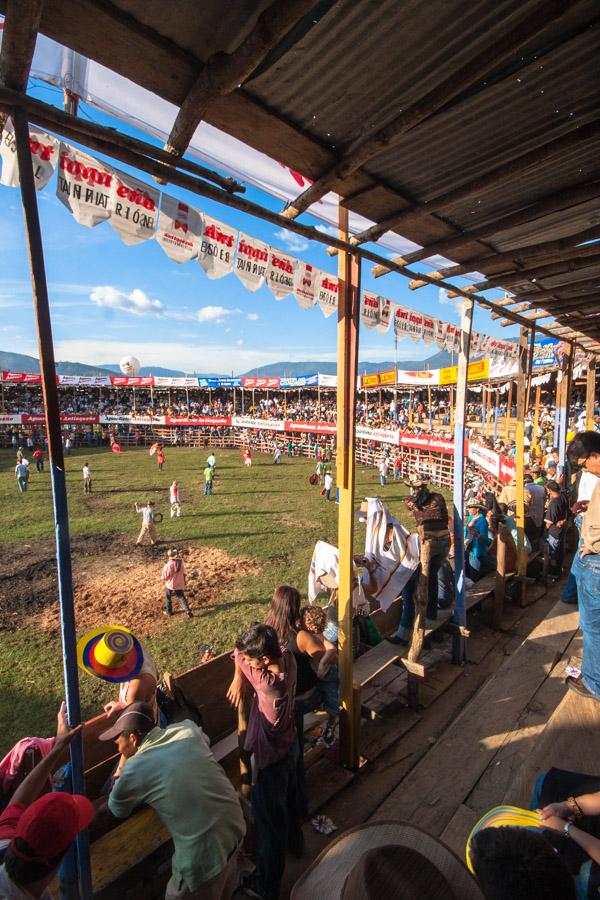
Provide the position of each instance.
(567, 828)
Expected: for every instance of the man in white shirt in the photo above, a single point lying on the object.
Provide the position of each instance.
(148, 526)
(328, 484)
(87, 479)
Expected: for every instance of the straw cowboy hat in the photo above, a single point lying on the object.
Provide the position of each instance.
(112, 653)
(388, 860)
(416, 481)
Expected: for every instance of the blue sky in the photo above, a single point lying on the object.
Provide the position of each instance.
(109, 300)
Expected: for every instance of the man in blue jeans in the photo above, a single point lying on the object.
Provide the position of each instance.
(431, 514)
(584, 453)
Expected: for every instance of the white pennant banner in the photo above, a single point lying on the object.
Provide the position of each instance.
(441, 329)
(179, 229)
(251, 261)
(327, 287)
(84, 186)
(280, 273)
(386, 313)
(216, 253)
(369, 309)
(305, 284)
(429, 329)
(44, 154)
(135, 209)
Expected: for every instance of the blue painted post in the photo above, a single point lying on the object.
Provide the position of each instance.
(59, 490)
(557, 415)
(459, 616)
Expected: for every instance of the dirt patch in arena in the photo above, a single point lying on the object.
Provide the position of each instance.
(113, 582)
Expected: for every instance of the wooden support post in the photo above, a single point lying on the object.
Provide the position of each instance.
(500, 585)
(59, 490)
(451, 408)
(529, 370)
(590, 393)
(245, 767)
(508, 409)
(535, 443)
(566, 375)
(520, 463)
(488, 410)
(421, 595)
(348, 313)
(459, 616)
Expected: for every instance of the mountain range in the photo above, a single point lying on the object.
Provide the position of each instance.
(19, 362)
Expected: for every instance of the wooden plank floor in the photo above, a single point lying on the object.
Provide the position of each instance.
(445, 778)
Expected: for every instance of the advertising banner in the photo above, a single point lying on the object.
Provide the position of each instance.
(381, 435)
(132, 380)
(21, 377)
(299, 381)
(378, 379)
(478, 371)
(199, 421)
(261, 424)
(311, 427)
(179, 382)
(268, 384)
(427, 442)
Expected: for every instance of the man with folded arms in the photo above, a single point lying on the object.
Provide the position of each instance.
(174, 771)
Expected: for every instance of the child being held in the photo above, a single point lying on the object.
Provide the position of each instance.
(314, 620)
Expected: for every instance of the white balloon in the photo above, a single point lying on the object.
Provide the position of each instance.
(129, 365)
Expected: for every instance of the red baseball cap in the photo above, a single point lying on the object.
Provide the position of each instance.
(52, 823)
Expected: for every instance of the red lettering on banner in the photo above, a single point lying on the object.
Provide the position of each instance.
(80, 172)
(252, 252)
(328, 285)
(215, 233)
(44, 151)
(278, 263)
(137, 197)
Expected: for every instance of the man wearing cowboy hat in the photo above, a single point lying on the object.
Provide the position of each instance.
(173, 770)
(431, 515)
(386, 861)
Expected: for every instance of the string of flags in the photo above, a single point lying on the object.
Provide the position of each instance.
(95, 192)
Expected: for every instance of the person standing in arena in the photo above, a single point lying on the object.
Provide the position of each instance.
(174, 500)
(87, 479)
(160, 458)
(173, 576)
(148, 526)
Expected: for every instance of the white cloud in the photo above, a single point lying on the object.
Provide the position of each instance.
(292, 241)
(253, 317)
(445, 300)
(239, 343)
(216, 314)
(136, 302)
(331, 230)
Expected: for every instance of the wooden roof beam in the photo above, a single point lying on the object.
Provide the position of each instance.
(515, 167)
(573, 264)
(224, 72)
(534, 254)
(550, 203)
(21, 23)
(469, 75)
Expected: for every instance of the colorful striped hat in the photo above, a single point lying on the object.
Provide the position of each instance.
(112, 653)
(499, 816)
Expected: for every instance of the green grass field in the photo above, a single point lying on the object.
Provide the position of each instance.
(268, 513)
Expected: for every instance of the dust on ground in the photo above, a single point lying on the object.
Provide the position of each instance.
(113, 582)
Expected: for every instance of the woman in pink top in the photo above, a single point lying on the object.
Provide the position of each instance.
(173, 575)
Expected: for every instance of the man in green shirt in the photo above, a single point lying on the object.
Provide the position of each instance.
(209, 474)
(174, 771)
